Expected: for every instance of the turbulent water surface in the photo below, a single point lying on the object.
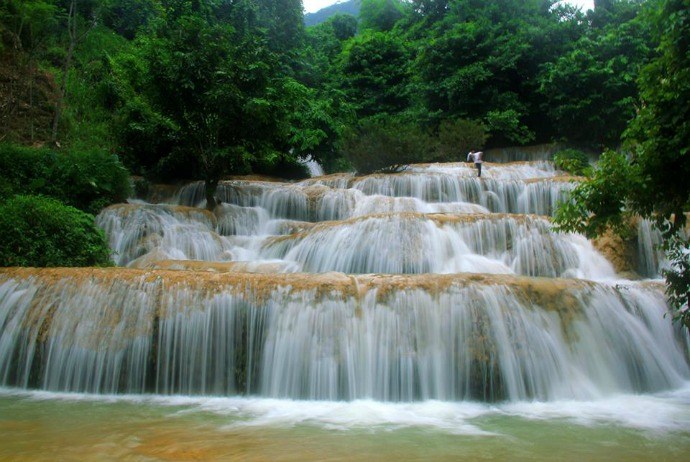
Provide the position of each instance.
(45, 426)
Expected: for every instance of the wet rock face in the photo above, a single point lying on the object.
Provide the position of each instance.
(620, 252)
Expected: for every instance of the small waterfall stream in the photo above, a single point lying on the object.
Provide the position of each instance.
(430, 284)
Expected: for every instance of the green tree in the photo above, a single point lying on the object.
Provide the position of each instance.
(127, 17)
(589, 92)
(659, 136)
(219, 97)
(324, 43)
(572, 161)
(386, 146)
(80, 19)
(374, 72)
(456, 138)
(30, 25)
(285, 22)
(652, 180)
(40, 231)
(434, 9)
(380, 15)
(212, 92)
(481, 61)
(318, 125)
(87, 180)
(323, 117)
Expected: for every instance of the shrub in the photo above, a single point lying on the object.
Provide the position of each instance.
(678, 277)
(40, 231)
(87, 180)
(457, 137)
(598, 203)
(572, 161)
(386, 146)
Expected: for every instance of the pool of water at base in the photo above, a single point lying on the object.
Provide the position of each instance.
(37, 426)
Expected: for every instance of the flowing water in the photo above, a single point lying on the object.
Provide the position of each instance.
(427, 315)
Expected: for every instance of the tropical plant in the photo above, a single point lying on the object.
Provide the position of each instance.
(652, 180)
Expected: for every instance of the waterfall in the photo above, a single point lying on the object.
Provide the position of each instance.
(650, 255)
(524, 187)
(313, 166)
(439, 243)
(430, 284)
(333, 336)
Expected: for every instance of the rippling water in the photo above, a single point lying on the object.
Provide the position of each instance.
(49, 426)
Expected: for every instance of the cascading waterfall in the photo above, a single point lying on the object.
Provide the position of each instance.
(440, 244)
(429, 284)
(334, 337)
(312, 165)
(530, 188)
(650, 256)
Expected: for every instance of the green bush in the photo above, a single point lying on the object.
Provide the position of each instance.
(678, 277)
(40, 231)
(599, 203)
(572, 161)
(457, 137)
(88, 181)
(386, 146)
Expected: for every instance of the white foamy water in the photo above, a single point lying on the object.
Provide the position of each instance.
(426, 315)
(653, 414)
(337, 337)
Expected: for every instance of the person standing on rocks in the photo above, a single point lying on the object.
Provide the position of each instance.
(476, 157)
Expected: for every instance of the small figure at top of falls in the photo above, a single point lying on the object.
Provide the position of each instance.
(476, 157)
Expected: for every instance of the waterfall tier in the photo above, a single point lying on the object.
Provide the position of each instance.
(422, 243)
(334, 336)
(431, 284)
(523, 187)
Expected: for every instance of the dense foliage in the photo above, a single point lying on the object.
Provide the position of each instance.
(88, 181)
(204, 88)
(385, 146)
(572, 161)
(456, 138)
(650, 178)
(391, 144)
(40, 231)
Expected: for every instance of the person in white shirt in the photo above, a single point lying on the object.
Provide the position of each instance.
(476, 157)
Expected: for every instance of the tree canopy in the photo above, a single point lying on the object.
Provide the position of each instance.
(649, 177)
(155, 80)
